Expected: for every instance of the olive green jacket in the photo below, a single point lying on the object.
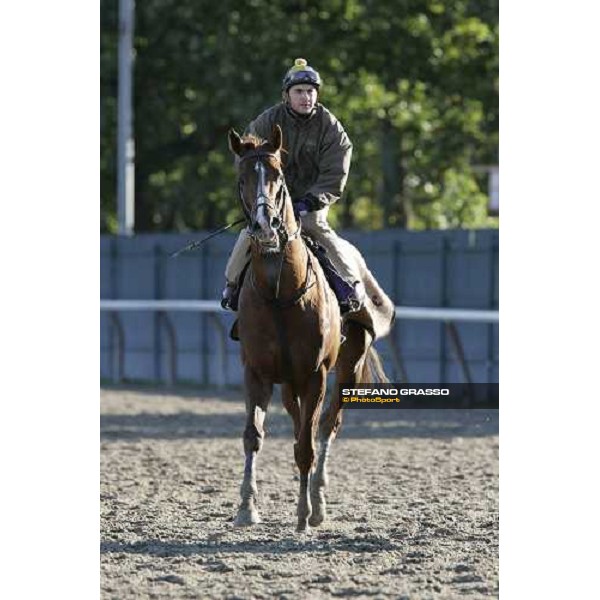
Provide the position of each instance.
(318, 151)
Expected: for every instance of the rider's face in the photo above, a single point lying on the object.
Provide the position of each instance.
(302, 98)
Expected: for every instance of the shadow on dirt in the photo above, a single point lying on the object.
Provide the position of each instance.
(281, 546)
(358, 424)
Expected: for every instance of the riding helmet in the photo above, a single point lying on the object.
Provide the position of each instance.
(301, 73)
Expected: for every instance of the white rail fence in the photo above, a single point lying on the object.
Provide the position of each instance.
(448, 316)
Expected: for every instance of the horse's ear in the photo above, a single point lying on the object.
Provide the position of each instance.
(276, 137)
(235, 142)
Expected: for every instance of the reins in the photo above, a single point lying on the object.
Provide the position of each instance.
(194, 245)
(277, 304)
(287, 303)
(284, 236)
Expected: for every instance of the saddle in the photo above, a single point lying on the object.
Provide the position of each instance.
(376, 316)
(336, 283)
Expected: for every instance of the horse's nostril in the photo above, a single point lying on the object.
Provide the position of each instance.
(275, 222)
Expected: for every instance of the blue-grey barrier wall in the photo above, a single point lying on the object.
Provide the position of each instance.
(457, 269)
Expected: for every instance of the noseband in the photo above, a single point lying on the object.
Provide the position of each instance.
(263, 200)
(284, 236)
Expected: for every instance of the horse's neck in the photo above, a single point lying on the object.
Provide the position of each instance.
(286, 271)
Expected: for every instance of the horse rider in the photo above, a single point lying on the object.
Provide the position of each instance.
(316, 163)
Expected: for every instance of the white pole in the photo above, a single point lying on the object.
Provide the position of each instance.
(126, 147)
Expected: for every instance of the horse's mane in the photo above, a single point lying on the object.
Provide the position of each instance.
(253, 142)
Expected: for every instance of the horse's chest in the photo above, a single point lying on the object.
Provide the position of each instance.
(264, 346)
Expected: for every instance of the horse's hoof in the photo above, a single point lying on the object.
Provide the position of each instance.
(316, 519)
(303, 526)
(246, 517)
(319, 512)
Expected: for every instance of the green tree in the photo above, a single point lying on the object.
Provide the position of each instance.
(414, 82)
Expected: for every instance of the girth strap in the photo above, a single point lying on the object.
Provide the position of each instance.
(277, 302)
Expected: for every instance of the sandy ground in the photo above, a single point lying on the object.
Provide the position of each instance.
(412, 503)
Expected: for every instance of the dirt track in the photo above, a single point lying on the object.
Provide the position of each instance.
(412, 502)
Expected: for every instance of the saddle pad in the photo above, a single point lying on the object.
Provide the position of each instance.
(378, 312)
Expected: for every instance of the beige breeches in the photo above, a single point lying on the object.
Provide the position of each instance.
(340, 252)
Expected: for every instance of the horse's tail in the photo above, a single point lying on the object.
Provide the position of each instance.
(372, 368)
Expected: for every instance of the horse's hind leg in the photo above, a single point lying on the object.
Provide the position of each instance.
(291, 402)
(349, 367)
(257, 400)
(304, 448)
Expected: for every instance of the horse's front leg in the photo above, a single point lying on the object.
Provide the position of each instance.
(304, 448)
(318, 483)
(258, 395)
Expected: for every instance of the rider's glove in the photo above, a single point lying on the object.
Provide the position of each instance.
(306, 204)
(301, 208)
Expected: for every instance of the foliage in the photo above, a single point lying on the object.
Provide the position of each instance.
(415, 83)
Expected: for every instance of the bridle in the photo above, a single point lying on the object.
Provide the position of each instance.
(262, 199)
(285, 237)
(276, 303)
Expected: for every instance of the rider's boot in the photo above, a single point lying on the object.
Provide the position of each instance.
(350, 297)
(230, 297)
(350, 300)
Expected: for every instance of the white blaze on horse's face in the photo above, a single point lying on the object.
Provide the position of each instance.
(263, 218)
(261, 195)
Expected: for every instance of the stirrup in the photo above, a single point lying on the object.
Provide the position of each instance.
(354, 302)
(350, 305)
(228, 299)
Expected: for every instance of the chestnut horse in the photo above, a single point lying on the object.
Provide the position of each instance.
(289, 330)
